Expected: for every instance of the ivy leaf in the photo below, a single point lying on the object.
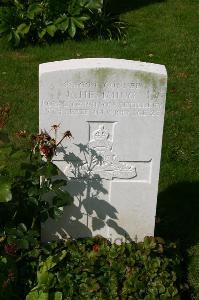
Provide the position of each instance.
(52, 261)
(34, 9)
(93, 4)
(23, 29)
(51, 29)
(72, 28)
(37, 294)
(45, 278)
(62, 23)
(5, 189)
(42, 33)
(78, 22)
(84, 18)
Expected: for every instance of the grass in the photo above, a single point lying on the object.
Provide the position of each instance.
(164, 32)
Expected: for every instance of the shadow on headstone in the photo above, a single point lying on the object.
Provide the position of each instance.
(90, 210)
(178, 213)
(118, 6)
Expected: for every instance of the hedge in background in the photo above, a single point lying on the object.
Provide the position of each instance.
(48, 20)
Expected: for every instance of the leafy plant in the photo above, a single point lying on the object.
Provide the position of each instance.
(29, 21)
(44, 21)
(95, 269)
(23, 191)
(104, 25)
(24, 204)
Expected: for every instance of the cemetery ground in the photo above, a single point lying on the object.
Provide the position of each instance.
(162, 32)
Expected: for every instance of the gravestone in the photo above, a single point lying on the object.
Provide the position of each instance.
(115, 111)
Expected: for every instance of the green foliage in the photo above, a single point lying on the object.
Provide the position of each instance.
(193, 272)
(26, 194)
(5, 189)
(95, 269)
(106, 26)
(24, 204)
(43, 21)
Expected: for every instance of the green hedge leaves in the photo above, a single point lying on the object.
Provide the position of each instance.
(45, 21)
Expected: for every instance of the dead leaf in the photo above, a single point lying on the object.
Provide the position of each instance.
(182, 75)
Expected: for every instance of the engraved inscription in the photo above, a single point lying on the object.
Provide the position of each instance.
(107, 84)
(111, 98)
(110, 167)
(111, 108)
(103, 162)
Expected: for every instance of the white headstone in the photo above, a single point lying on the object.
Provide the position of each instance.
(114, 109)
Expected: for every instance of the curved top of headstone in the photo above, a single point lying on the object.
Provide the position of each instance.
(113, 63)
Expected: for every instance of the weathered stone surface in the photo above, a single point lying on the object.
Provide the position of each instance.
(115, 111)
